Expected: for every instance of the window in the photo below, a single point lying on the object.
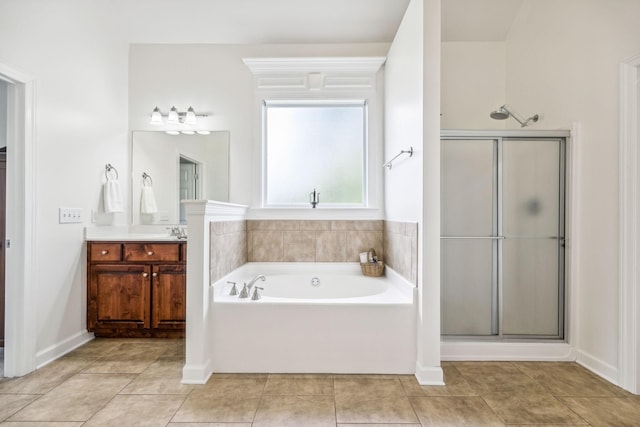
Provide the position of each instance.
(315, 145)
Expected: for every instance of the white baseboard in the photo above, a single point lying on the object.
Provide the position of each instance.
(429, 375)
(598, 367)
(501, 351)
(197, 374)
(58, 350)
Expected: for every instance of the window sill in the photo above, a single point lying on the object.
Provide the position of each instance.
(317, 213)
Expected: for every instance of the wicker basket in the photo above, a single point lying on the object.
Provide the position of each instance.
(373, 269)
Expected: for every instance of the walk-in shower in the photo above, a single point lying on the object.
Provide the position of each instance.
(505, 112)
(503, 234)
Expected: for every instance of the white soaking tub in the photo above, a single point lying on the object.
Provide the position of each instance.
(314, 318)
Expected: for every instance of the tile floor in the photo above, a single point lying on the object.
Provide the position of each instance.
(115, 382)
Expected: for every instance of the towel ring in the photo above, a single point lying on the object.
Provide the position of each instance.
(108, 168)
(146, 176)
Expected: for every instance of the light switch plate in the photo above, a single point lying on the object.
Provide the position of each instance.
(70, 215)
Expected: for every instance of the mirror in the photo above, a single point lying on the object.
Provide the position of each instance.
(176, 167)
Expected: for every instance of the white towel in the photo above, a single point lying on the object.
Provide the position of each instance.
(148, 201)
(112, 197)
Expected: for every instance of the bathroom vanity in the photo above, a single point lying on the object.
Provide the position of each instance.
(136, 288)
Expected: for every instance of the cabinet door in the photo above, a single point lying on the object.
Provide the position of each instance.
(119, 296)
(169, 296)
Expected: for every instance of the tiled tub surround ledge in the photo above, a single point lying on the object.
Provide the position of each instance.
(349, 323)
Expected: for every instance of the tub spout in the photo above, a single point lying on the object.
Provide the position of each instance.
(255, 279)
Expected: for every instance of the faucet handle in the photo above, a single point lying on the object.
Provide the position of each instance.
(234, 290)
(244, 293)
(256, 295)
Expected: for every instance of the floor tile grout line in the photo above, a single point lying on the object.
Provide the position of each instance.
(335, 402)
(181, 405)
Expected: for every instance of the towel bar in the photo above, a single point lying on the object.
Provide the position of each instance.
(146, 176)
(389, 164)
(108, 168)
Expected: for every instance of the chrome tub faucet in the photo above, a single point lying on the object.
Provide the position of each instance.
(255, 279)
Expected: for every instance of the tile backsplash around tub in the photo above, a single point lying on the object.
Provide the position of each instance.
(312, 240)
(234, 243)
(401, 248)
(228, 248)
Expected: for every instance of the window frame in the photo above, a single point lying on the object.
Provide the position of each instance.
(311, 103)
(328, 78)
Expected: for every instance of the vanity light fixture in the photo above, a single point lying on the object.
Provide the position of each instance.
(175, 117)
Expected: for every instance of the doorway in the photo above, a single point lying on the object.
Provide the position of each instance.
(189, 184)
(20, 240)
(502, 241)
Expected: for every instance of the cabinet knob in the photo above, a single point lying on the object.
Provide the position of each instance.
(155, 274)
(145, 274)
(104, 252)
(150, 253)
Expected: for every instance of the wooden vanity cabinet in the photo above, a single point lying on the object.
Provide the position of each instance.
(136, 289)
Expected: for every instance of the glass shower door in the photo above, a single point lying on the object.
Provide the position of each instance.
(502, 237)
(468, 241)
(533, 245)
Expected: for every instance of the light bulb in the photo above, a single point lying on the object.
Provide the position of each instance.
(173, 116)
(190, 119)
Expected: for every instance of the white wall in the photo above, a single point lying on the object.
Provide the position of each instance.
(403, 119)
(473, 84)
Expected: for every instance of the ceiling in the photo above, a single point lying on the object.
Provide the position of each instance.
(478, 20)
(300, 21)
(261, 21)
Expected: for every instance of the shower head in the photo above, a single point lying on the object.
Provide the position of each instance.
(500, 114)
(504, 113)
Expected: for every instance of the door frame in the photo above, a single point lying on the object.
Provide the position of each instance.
(20, 309)
(629, 278)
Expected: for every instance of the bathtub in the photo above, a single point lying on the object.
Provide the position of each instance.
(314, 318)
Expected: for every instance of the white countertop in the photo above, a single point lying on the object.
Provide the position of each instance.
(137, 237)
(130, 234)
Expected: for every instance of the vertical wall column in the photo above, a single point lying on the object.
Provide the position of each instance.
(428, 370)
(200, 214)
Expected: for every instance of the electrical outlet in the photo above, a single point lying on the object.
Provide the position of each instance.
(70, 215)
